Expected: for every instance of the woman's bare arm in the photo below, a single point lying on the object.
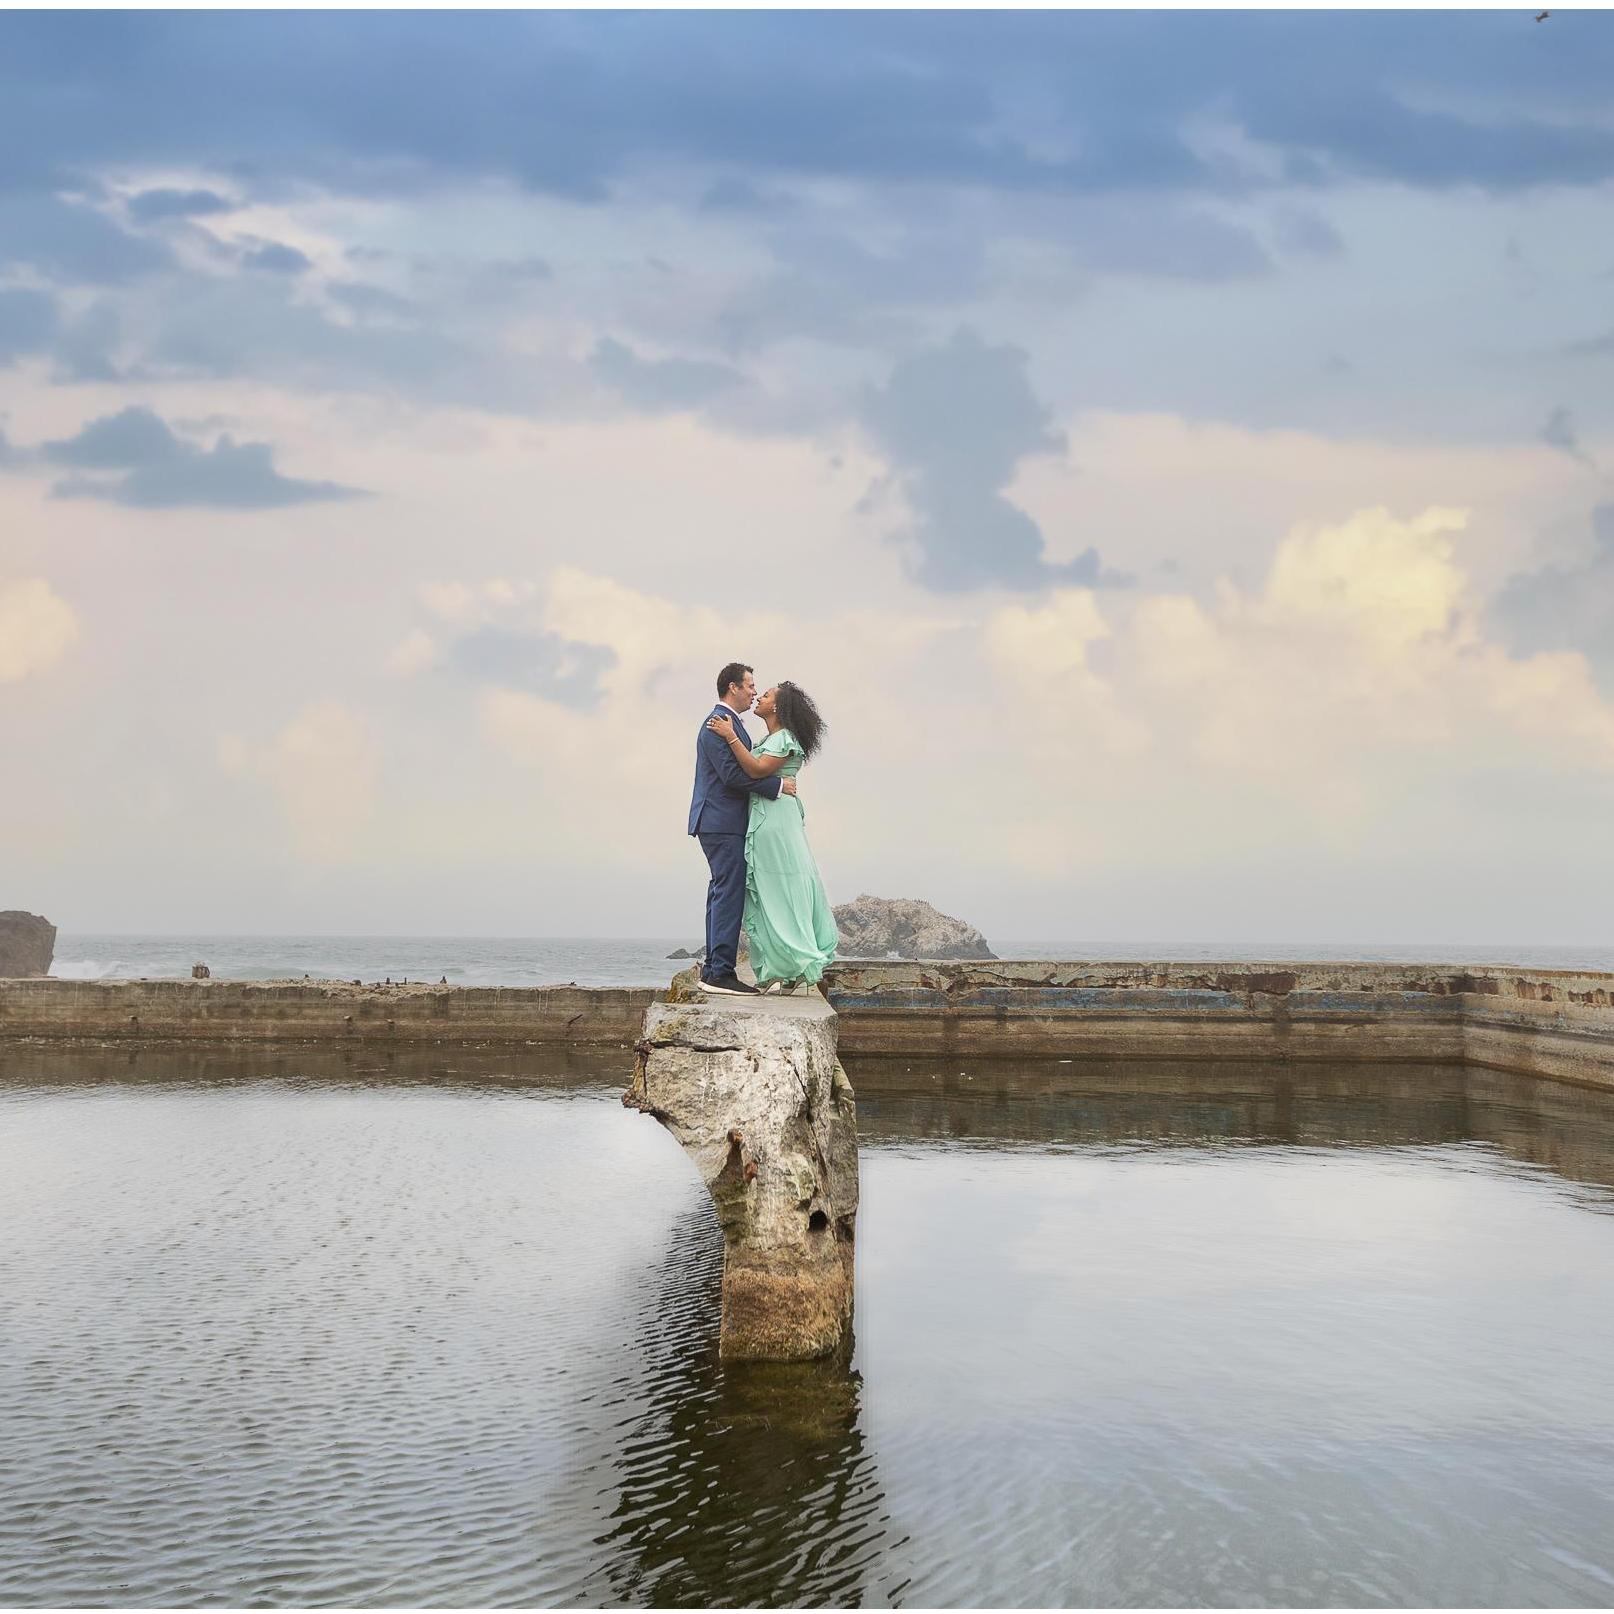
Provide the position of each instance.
(757, 767)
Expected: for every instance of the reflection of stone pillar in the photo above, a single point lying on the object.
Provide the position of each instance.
(753, 1091)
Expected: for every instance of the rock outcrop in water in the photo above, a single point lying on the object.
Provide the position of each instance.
(903, 927)
(699, 953)
(27, 943)
(753, 1090)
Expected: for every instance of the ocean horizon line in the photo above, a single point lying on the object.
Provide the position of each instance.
(681, 937)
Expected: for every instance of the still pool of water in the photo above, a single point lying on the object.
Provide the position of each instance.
(283, 1328)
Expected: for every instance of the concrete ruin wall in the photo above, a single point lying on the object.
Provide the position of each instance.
(1553, 1023)
(321, 1011)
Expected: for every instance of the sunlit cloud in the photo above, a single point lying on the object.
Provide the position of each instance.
(37, 628)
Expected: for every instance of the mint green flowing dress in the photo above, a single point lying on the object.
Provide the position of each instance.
(787, 915)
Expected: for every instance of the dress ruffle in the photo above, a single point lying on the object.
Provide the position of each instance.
(779, 900)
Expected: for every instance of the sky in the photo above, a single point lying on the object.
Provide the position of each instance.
(1173, 449)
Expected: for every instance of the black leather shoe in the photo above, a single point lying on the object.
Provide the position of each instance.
(729, 986)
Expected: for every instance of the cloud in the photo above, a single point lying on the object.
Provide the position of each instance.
(87, 344)
(855, 286)
(1336, 716)
(134, 436)
(1566, 606)
(468, 605)
(1047, 647)
(736, 194)
(1158, 236)
(1351, 697)
(71, 243)
(28, 322)
(412, 654)
(1306, 231)
(366, 300)
(275, 257)
(505, 639)
(37, 627)
(322, 766)
(163, 471)
(1591, 347)
(571, 103)
(1559, 432)
(527, 268)
(954, 421)
(264, 327)
(159, 205)
(659, 385)
(535, 662)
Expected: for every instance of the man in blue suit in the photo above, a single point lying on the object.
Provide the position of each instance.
(718, 815)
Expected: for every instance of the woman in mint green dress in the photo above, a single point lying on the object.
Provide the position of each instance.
(787, 915)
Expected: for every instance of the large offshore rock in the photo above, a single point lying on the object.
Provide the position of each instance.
(753, 1090)
(27, 943)
(699, 952)
(904, 927)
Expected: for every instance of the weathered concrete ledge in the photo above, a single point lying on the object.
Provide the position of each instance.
(753, 1091)
(318, 1011)
(1552, 1023)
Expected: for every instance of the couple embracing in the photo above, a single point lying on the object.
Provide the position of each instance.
(750, 824)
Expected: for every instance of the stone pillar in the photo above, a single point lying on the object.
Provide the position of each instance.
(752, 1089)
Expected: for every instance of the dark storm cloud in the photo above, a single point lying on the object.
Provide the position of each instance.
(1567, 606)
(568, 102)
(154, 206)
(134, 458)
(537, 663)
(954, 422)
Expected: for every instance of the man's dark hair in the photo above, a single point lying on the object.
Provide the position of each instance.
(734, 673)
(794, 708)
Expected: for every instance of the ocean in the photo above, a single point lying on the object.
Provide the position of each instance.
(643, 961)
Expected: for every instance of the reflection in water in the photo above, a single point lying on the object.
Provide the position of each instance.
(311, 1326)
(1159, 1103)
(740, 1484)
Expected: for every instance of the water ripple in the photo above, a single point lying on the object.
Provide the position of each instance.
(449, 1338)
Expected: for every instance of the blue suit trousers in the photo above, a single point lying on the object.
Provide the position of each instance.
(725, 902)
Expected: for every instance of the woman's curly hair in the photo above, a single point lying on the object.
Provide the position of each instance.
(794, 708)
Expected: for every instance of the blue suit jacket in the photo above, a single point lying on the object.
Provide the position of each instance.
(721, 803)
